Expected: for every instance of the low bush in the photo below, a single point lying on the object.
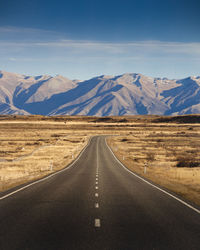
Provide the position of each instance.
(187, 162)
(150, 156)
(124, 139)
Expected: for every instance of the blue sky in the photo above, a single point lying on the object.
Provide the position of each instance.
(84, 38)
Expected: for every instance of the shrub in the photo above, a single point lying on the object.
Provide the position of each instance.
(55, 135)
(150, 156)
(187, 162)
(124, 139)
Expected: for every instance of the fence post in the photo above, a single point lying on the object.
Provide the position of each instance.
(51, 166)
(145, 168)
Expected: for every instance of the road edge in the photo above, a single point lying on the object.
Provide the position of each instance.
(25, 186)
(152, 184)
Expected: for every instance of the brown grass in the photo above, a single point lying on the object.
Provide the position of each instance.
(170, 149)
(170, 152)
(30, 151)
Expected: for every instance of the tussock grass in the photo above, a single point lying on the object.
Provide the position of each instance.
(171, 153)
(29, 152)
(29, 146)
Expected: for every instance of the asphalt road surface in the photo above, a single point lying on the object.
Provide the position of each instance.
(96, 204)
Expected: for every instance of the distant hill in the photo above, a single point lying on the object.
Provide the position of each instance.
(127, 94)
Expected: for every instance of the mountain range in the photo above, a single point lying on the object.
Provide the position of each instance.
(127, 94)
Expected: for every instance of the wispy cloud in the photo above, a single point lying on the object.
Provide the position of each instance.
(142, 47)
(21, 30)
(29, 37)
(43, 47)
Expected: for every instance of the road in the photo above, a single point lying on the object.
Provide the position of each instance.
(96, 204)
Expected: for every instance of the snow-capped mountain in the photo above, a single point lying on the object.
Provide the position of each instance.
(127, 94)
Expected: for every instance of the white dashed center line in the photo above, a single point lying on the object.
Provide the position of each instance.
(97, 223)
(96, 205)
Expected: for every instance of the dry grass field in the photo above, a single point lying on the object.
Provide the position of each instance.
(167, 154)
(164, 150)
(31, 150)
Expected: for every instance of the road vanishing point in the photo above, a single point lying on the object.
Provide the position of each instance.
(96, 203)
